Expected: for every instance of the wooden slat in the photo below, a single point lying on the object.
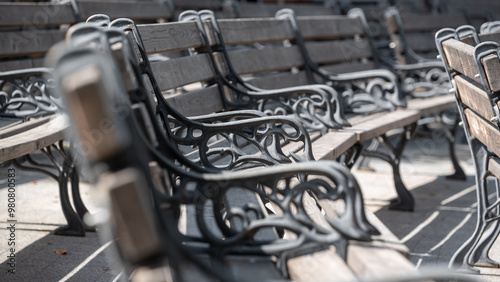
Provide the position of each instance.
(338, 51)
(35, 14)
(350, 67)
(474, 97)
(29, 42)
(246, 31)
(280, 80)
(135, 11)
(168, 37)
(265, 60)
(320, 266)
(494, 166)
(419, 42)
(16, 64)
(426, 22)
(23, 126)
(329, 27)
(460, 56)
(380, 123)
(260, 10)
(484, 131)
(179, 72)
(431, 105)
(34, 139)
(201, 102)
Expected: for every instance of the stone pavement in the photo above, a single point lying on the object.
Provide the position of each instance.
(444, 218)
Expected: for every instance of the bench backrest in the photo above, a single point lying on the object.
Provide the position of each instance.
(411, 32)
(263, 9)
(476, 75)
(28, 30)
(333, 42)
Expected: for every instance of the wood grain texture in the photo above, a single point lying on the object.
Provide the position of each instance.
(265, 60)
(460, 56)
(247, 31)
(379, 124)
(33, 139)
(431, 105)
(474, 97)
(484, 131)
(178, 72)
(338, 51)
(494, 166)
(201, 102)
(159, 38)
(35, 14)
(29, 42)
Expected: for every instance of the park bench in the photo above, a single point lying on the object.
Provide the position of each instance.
(88, 73)
(476, 12)
(32, 128)
(474, 70)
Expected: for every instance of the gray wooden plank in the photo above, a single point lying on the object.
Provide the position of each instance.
(29, 42)
(201, 102)
(178, 72)
(474, 97)
(159, 38)
(33, 139)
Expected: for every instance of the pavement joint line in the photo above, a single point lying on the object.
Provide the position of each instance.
(458, 195)
(420, 227)
(452, 232)
(85, 262)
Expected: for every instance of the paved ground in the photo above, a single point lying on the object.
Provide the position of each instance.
(443, 219)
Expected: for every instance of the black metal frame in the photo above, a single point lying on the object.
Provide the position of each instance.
(30, 93)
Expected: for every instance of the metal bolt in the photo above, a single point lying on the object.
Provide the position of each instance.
(477, 76)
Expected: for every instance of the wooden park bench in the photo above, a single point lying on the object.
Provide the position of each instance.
(233, 249)
(32, 128)
(475, 72)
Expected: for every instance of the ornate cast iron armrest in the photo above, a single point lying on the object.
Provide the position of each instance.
(27, 93)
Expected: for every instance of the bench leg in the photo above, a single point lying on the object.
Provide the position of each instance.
(477, 245)
(405, 200)
(75, 225)
(62, 174)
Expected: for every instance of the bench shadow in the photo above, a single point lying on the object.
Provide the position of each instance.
(444, 217)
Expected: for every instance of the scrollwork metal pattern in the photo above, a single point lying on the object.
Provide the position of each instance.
(27, 93)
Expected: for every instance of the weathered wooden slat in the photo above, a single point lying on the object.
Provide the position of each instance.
(136, 11)
(179, 72)
(159, 38)
(329, 27)
(262, 10)
(426, 22)
(460, 56)
(33, 139)
(430, 105)
(247, 31)
(201, 102)
(484, 131)
(474, 97)
(494, 166)
(265, 60)
(350, 67)
(419, 42)
(380, 123)
(16, 64)
(21, 127)
(338, 51)
(35, 14)
(281, 80)
(29, 42)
